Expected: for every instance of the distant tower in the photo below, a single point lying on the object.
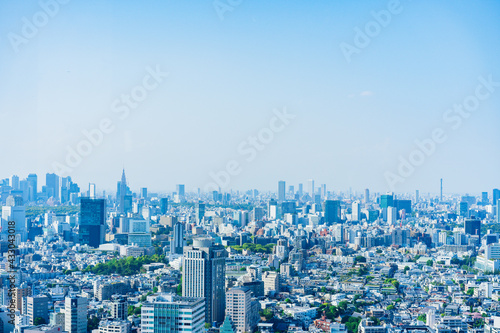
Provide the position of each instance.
(122, 192)
(441, 195)
(281, 191)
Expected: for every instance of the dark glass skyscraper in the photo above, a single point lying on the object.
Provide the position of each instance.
(92, 221)
(473, 227)
(332, 211)
(386, 200)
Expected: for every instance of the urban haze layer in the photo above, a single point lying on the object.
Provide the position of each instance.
(301, 259)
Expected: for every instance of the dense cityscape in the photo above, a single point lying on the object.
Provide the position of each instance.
(304, 258)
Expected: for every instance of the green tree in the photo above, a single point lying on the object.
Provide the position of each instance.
(39, 321)
(429, 262)
(422, 317)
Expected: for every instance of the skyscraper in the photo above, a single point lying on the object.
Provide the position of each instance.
(199, 212)
(32, 186)
(281, 191)
(181, 191)
(498, 210)
(496, 196)
(356, 211)
(484, 198)
(311, 188)
(473, 227)
(367, 195)
(75, 310)
(332, 211)
(121, 193)
(14, 182)
(92, 221)
(463, 209)
(386, 200)
(301, 190)
(203, 275)
(14, 210)
(177, 241)
(164, 206)
(52, 185)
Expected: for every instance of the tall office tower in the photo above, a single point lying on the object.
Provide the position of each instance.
(199, 212)
(121, 193)
(323, 191)
(291, 190)
(181, 191)
(473, 227)
(392, 215)
(165, 313)
(496, 195)
(311, 190)
(203, 275)
(92, 194)
(484, 198)
(92, 221)
(163, 206)
(75, 314)
(498, 210)
(14, 182)
(417, 196)
(281, 191)
(301, 189)
(402, 204)
(356, 211)
(339, 233)
(144, 192)
(367, 195)
(272, 209)
(52, 185)
(32, 186)
(463, 209)
(387, 200)
(239, 306)
(38, 307)
(119, 308)
(258, 214)
(14, 210)
(177, 241)
(441, 191)
(332, 211)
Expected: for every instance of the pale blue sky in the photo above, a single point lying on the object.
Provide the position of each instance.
(353, 119)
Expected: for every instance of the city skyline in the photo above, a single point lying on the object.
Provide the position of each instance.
(203, 82)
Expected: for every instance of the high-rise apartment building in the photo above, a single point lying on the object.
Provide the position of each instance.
(119, 308)
(240, 308)
(203, 275)
(75, 310)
